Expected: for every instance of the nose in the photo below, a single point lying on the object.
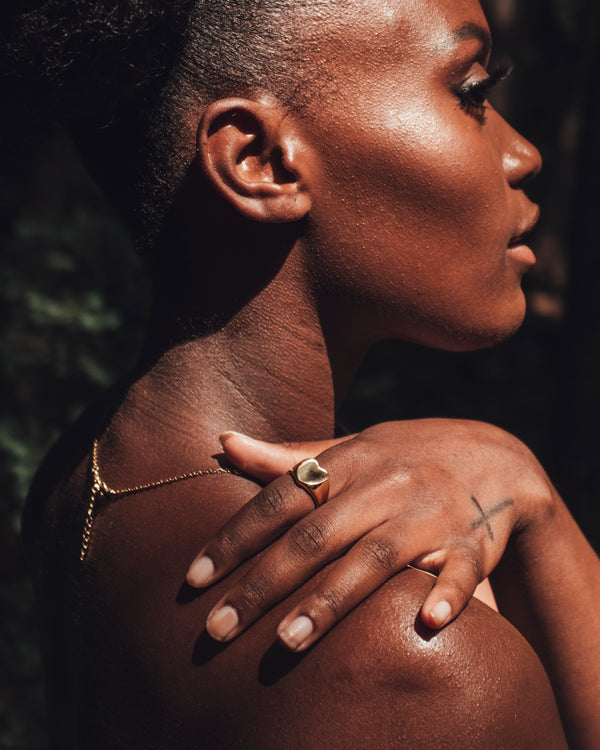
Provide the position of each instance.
(521, 160)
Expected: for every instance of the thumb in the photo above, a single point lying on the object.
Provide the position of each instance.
(267, 461)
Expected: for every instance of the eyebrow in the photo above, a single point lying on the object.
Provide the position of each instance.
(468, 31)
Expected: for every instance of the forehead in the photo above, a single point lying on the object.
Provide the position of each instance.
(379, 31)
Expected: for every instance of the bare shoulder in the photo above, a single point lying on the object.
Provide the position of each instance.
(379, 679)
(475, 684)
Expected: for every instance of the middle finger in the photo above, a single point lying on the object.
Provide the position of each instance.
(313, 542)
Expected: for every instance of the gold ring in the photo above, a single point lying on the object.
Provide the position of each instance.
(312, 478)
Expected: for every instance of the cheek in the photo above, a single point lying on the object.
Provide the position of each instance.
(416, 190)
(432, 162)
(412, 215)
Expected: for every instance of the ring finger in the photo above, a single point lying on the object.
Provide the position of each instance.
(261, 520)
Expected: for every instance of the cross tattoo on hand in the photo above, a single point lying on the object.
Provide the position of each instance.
(485, 517)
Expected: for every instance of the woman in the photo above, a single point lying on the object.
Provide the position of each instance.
(307, 178)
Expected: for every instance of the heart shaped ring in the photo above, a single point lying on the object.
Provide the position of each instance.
(312, 478)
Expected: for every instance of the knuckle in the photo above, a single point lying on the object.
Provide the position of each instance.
(463, 591)
(329, 601)
(472, 559)
(380, 554)
(466, 575)
(270, 503)
(308, 539)
(253, 592)
(226, 544)
(458, 586)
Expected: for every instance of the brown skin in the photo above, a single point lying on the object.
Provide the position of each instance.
(145, 675)
(448, 502)
(401, 165)
(298, 310)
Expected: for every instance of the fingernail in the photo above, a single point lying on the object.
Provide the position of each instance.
(441, 613)
(220, 624)
(201, 571)
(224, 436)
(297, 632)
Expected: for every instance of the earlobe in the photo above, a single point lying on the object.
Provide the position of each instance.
(253, 155)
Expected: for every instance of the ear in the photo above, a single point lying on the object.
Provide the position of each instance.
(255, 157)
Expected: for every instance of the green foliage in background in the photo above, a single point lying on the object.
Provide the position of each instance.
(72, 296)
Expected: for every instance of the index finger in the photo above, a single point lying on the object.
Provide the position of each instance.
(261, 520)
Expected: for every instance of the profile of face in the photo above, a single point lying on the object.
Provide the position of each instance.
(410, 182)
(417, 209)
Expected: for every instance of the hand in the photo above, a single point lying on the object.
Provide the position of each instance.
(441, 495)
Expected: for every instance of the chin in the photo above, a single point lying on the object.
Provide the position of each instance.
(483, 338)
(473, 343)
(458, 337)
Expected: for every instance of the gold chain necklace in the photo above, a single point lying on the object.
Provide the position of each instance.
(101, 489)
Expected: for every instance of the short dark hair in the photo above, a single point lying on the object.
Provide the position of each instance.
(122, 74)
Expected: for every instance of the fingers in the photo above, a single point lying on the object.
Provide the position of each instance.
(370, 563)
(265, 517)
(375, 558)
(266, 461)
(305, 548)
(458, 578)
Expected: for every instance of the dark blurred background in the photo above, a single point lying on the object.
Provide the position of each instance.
(73, 298)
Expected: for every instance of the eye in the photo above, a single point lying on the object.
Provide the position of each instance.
(473, 95)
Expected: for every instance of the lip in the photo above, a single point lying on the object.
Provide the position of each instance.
(525, 228)
(517, 248)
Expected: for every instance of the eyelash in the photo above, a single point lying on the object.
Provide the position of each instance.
(473, 96)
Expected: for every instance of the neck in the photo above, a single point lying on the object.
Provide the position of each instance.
(265, 376)
(265, 370)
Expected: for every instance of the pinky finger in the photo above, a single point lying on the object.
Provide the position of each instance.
(456, 583)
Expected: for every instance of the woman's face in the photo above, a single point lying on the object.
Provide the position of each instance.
(417, 200)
